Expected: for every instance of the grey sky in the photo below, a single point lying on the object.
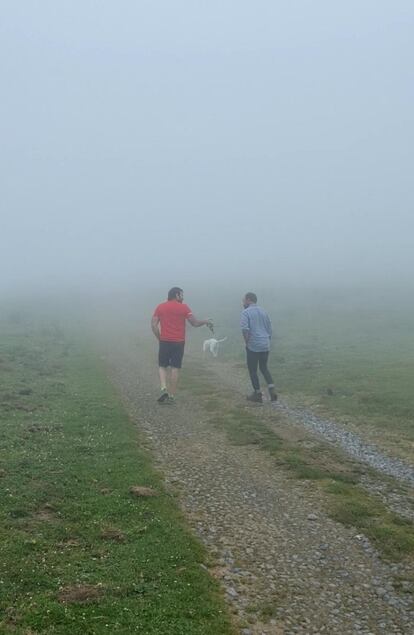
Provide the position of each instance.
(169, 140)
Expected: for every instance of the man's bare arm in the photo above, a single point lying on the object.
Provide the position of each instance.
(194, 322)
(246, 335)
(155, 321)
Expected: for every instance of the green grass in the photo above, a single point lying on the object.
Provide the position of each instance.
(68, 456)
(391, 533)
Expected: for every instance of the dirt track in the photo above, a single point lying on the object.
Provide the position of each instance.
(285, 567)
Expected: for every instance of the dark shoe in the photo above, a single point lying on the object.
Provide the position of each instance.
(164, 397)
(273, 395)
(256, 397)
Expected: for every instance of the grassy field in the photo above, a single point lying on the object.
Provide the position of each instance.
(343, 355)
(80, 553)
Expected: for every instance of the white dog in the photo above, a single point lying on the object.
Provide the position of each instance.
(212, 345)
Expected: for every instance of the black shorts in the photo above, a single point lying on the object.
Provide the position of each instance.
(171, 354)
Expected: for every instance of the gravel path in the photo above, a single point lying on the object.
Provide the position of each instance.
(284, 566)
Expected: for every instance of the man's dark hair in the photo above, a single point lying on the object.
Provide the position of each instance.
(172, 293)
(251, 296)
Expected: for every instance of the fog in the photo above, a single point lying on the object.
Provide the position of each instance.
(162, 143)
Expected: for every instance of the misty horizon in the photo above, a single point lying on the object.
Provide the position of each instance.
(152, 145)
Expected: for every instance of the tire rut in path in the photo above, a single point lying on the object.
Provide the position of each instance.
(284, 566)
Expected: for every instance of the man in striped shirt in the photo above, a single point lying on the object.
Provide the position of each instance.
(257, 332)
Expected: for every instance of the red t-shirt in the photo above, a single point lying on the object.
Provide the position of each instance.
(172, 316)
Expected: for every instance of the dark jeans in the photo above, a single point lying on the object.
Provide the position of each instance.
(258, 359)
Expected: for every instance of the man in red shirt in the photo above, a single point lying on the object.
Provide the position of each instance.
(168, 326)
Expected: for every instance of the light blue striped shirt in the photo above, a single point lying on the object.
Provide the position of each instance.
(255, 320)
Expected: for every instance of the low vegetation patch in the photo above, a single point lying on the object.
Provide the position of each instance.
(353, 506)
(91, 542)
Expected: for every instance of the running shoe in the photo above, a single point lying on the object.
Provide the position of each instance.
(164, 397)
(273, 395)
(256, 397)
